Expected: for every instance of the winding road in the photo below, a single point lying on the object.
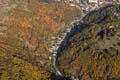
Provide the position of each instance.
(72, 24)
(54, 58)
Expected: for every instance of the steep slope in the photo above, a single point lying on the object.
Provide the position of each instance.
(92, 52)
(25, 36)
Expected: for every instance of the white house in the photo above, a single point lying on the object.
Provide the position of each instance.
(93, 1)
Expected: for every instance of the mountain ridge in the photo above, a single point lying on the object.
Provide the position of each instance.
(85, 47)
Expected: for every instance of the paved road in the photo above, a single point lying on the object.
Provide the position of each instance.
(72, 24)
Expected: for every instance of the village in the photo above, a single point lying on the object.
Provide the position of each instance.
(57, 40)
(85, 6)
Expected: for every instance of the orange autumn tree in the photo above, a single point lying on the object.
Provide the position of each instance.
(31, 25)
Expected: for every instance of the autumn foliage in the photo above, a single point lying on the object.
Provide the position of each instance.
(24, 43)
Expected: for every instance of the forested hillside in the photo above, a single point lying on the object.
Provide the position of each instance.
(25, 36)
(93, 50)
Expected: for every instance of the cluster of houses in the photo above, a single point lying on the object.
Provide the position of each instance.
(89, 1)
(85, 5)
(88, 5)
(57, 40)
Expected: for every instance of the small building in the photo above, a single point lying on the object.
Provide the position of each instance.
(51, 50)
(70, 0)
(54, 55)
(50, 57)
(53, 38)
(93, 1)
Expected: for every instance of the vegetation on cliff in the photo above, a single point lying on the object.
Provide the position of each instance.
(93, 50)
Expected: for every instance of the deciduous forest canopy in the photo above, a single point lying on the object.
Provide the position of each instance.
(25, 31)
(93, 50)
